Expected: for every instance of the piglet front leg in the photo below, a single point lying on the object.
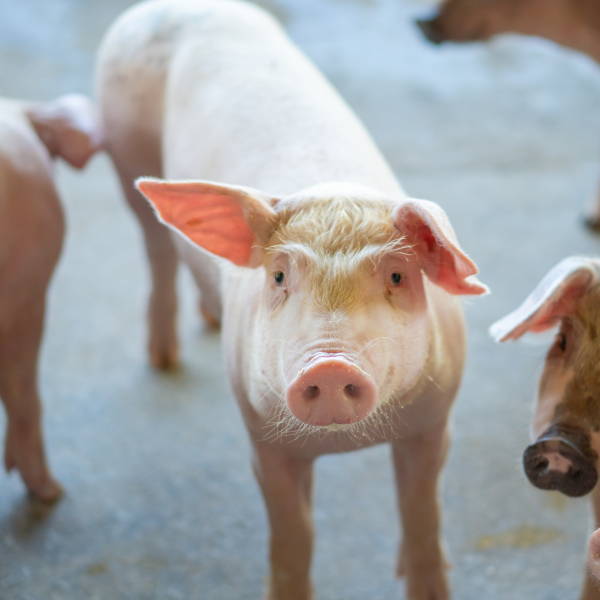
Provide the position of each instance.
(286, 484)
(417, 463)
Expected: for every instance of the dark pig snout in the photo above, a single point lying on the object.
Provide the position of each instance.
(331, 391)
(562, 459)
(431, 30)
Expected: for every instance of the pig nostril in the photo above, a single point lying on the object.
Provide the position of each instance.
(541, 464)
(352, 390)
(311, 392)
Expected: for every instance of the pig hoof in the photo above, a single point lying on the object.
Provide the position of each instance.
(210, 320)
(164, 359)
(425, 577)
(48, 493)
(164, 353)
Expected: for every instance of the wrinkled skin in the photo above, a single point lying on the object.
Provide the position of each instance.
(341, 322)
(31, 234)
(567, 411)
(571, 23)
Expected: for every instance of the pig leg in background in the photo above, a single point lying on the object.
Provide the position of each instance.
(132, 160)
(417, 463)
(592, 219)
(286, 484)
(591, 586)
(20, 339)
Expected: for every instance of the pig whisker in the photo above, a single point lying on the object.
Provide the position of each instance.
(374, 341)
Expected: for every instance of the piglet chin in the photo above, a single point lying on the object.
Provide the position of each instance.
(331, 392)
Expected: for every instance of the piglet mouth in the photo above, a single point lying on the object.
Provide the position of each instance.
(331, 392)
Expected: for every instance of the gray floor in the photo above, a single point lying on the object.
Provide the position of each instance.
(160, 499)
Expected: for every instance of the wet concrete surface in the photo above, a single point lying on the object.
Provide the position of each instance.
(160, 501)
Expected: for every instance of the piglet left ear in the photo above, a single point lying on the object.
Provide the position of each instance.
(428, 229)
(69, 127)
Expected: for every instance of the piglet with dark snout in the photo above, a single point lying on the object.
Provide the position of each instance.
(31, 235)
(565, 433)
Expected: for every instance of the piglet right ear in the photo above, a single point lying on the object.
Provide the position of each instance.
(555, 297)
(233, 222)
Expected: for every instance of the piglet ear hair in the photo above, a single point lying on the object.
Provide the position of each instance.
(69, 127)
(555, 297)
(428, 229)
(232, 222)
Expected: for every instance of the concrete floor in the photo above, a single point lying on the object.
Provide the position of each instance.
(160, 501)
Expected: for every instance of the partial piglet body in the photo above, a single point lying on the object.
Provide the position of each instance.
(31, 235)
(565, 432)
(571, 23)
(338, 295)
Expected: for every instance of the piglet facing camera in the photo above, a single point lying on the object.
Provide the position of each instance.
(339, 296)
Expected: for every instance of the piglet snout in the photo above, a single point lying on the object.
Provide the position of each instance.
(331, 391)
(557, 462)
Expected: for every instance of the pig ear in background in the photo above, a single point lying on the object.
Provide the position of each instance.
(69, 127)
(428, 229)
(233, 222)
(554, 298)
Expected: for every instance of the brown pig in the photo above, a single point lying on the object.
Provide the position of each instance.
(338, 295)
(565, 432)
(31, 235)
(571, 23)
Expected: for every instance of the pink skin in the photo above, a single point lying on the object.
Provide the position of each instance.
(569, 297)
(594, 554)
(331, 391)
(228, 98)
(31, 234)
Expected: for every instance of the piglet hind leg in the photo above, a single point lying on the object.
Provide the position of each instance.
(24, 447)
(160, 249)
(417, 464)
(286, 484)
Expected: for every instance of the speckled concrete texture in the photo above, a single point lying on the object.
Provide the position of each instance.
(160, 501)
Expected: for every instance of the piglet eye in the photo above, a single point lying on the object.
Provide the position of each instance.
(396, 278)
(561, 340)
(279, 277)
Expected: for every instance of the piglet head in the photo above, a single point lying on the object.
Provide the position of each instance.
(342, 322)
(566, 427)
(69, 127)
